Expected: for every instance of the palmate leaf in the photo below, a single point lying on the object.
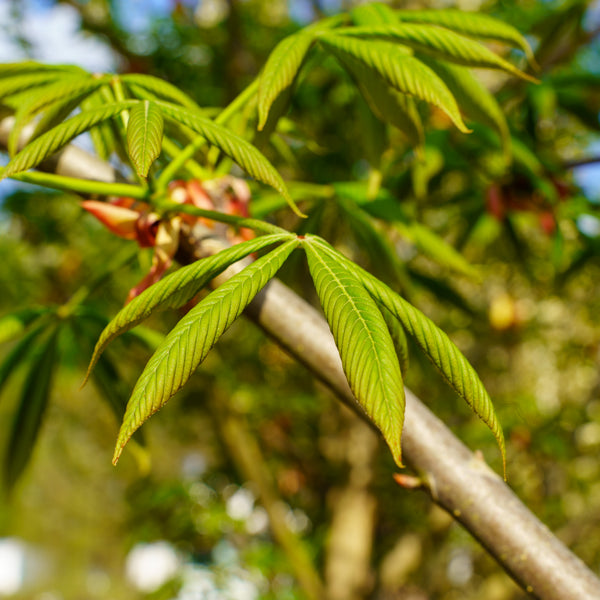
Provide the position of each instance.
(53, 140)
(472, 24)
(144, 136)
(61, 93)
(177, 289)
(400, 70)
(189, 342)
(280, 70)
(364, 343)
(439, 43)
(32, 405)
(237, 148)
(451, 363)
(475, 100)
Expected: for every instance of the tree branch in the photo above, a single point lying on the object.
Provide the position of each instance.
(453, 476)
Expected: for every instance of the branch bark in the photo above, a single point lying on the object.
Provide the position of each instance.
(452, 475)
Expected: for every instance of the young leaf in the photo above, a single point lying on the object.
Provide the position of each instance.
(473, 97)
(363, 340)
(32, 405)
(190, 341)
(437, 345)
(439, 43)
(18, 83)
(388, 104)
(472, 24)
(60, 93)
(53, 140)
(373, 13)
(144, 136)
(280, 70)
(402, 71)
(176, 289)
(237, 148)
(159, 87)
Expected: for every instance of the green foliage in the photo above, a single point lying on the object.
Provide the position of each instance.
(31, 408)
(144, 136)
(363, 340)
(176, 290)
(176, 359)
(399, 61)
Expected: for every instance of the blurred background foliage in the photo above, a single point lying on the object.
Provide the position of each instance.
(179, 517)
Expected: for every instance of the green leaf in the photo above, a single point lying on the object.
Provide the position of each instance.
(32, 405)
(237, 148)
(364, 342)
(61, 93)
(473, 97)
(176, 289)
(19, 353)
(103, 134)
(189, 342)
(472, 24)
(386, 103)
(19, 83)
(444, 354)
(30, 66)
(434, 246)
(376, 243)
(398, 338)
(144, 136)
(280, 70)
(159, 87)
(53, 140)
(402, 71)
(373, 13)
(440, 43)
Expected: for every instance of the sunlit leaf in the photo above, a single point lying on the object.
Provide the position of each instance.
(161, 88)
(176, 289)
(386, 103)
(144, 136)
(189, 342)
(31, 409)
(53, 140)
(237, 148)
(444, 354)
(364, 342)
(18, 83)
(61, 93)
(439, 43)
(402, 71)
(280, 70)
(474, 24)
